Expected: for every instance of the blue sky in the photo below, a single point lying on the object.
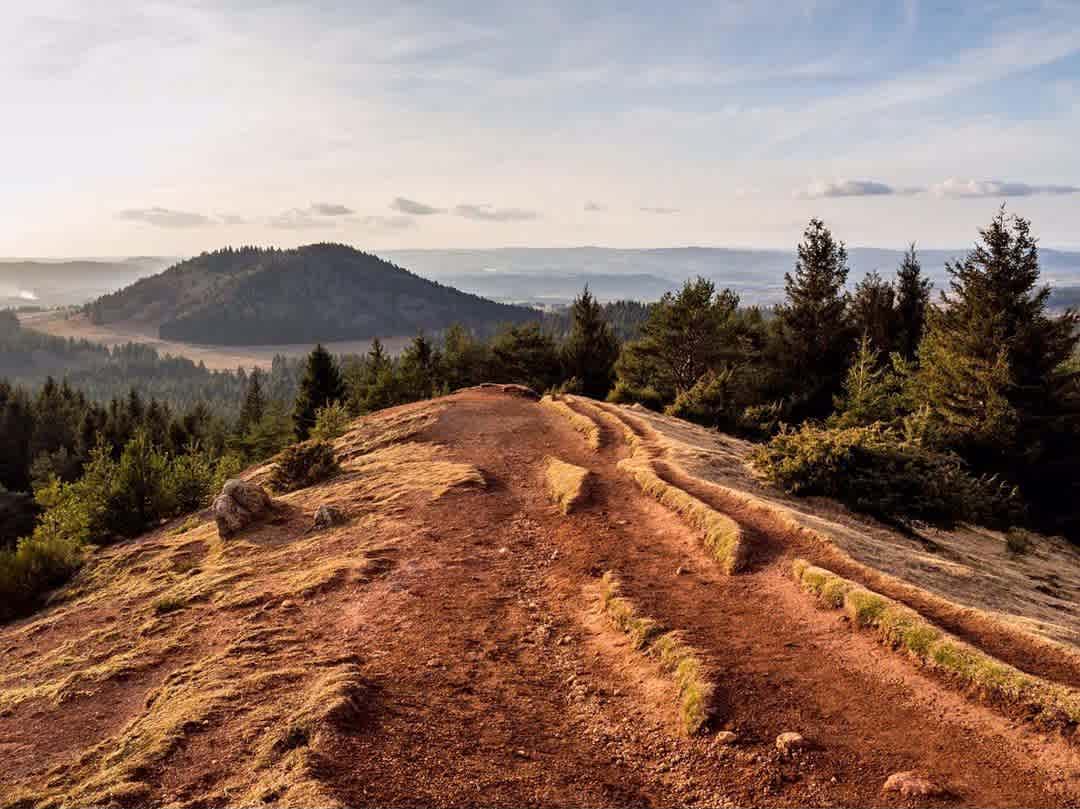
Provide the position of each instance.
(173, 126)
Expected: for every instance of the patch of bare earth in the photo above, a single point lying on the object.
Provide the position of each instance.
(443, 647)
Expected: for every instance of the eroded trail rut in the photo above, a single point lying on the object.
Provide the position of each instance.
(498, 684)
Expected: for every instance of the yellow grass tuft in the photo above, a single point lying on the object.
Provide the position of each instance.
(676, 658)
(583, 424)
(903, 628)
(566, 484)
(723, 537)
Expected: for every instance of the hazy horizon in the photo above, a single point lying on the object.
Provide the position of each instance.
(183, 125)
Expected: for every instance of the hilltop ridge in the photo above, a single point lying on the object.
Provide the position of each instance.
(320, 292)
(465, 639)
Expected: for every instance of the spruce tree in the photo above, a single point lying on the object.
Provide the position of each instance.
(912, 300)
(993, 362)
(814, 331)
(254, 403)
(591, 349)
(873, 313)
(320, 385)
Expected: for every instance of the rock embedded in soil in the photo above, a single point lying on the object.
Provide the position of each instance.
(726, 737)
(790, 742)
(912, 785)
(240, 504)
(328, 517)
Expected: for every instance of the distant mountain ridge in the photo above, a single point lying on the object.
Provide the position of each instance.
(258, 296)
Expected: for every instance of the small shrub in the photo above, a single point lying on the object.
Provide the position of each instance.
(624, 393)
(189, 481)
(330, 422)
(35, 566)
(1018, 541)
(303, 465)
(167, 604)
(873, 469)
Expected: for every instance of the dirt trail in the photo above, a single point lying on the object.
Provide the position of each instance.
(491, 680)
(499, 689)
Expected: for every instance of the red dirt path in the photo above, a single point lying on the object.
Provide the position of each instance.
(493, 682)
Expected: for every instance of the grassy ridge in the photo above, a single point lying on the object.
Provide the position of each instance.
(566, 484)
(903, 628)
(678, 660)
(586, 426)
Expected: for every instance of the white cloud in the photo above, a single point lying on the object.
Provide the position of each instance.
(594, 207)
(846, 188)
(414, 208)
(330, 209)
(489, 213)
(165, 218)
(659, 210)
(997, 188)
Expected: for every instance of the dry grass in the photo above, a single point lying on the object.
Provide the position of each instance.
(722, 536)
(567, 484)
(583, 424)
(677, 659)
(232, 671)
(903, 628)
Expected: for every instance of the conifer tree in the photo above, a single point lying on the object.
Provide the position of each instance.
(251, 412)
(814, 332)
(994, 373)
(320, 385)
(873, 313)
(912, 300)
(591, 349)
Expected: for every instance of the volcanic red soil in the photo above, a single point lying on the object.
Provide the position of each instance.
(453, 633)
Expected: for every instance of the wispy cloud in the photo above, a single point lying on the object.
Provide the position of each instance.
(659, 210)
(388, 222)
(414, 208)
(330, 209)
(165, 218)
(997, 188)
(852, 188)
(594, 207)
(489, 213)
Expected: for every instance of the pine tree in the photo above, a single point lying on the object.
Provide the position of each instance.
(320, 385)
(993, 362)
(251, 412)
(912, 300)
(814, 331)
(873, 313)
(590, 351)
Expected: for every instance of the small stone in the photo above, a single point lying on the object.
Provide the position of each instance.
(912, 785)
(504, 549)
(726, 737)
(288, 605)
(680, 570)
(790, 742)
(328, 517)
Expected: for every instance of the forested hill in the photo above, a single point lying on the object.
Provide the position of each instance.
(255, 296)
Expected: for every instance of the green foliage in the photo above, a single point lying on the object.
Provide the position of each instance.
(912, 302)
(303, 465)
(189, 481)
(872, 469)
(33, 568)
(330, 422)
(708, 402)
(254, 403)
(526, 356)
(253, 296)
(872, 392)
(589, 352)
(873, 312)
(321, 385)
(814, 333)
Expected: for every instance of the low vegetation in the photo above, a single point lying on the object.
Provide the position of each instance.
(302, 465)
(903, 628)
(875, 471)
(582, 424)
(567, 484)
(676, 658)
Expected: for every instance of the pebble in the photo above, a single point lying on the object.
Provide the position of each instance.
(912, 785)
(790, 742)
(726, 737)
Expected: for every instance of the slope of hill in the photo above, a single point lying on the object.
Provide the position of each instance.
(57, 282)
(457, 642)
(325, 292)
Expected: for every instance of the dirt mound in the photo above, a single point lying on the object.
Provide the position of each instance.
(444, 646)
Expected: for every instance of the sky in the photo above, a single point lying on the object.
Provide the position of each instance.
(168, 127)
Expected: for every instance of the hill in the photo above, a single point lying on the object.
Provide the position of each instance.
(43, 282)
(489, 627)
(254, 296)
